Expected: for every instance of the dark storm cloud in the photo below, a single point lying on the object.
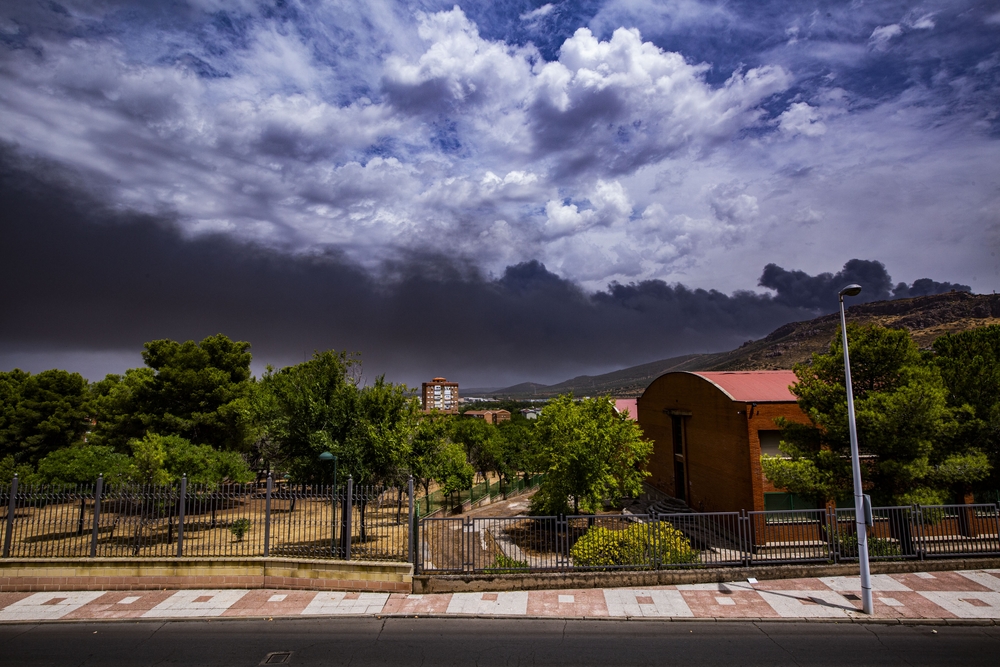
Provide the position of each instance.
(78, 276)
(800, 290)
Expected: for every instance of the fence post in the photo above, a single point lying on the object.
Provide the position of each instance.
(831, 534)
(996, 515)
(267, 517)
(468, 559)
(348, 512)
(8, 532)
(919, 525)
(98, 491)
(410, 528)
(746, 539)
(182, 501)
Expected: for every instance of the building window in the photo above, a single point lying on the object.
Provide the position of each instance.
(769, 441)
(774, 502)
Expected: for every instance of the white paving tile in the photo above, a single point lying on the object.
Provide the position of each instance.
(47, 606)
(890, 602)
(982, 578)
(880, 582)
(966, 604)
(566, 599)
(711, 587)
(334, 602)
(277, 598)
(725, 602)
(508, 604)
(185, 604)
(129, 600)
(631, 602)
(808, 604)
(925, 575)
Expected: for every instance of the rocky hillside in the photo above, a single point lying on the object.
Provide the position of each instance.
(926, 317)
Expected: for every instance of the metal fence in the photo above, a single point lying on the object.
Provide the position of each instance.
(380, 523)
(344, 522)
(608, 542)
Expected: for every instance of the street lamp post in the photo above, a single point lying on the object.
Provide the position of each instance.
(860, 513)
(326, 457)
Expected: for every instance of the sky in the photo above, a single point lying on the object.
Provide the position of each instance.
(490, 191)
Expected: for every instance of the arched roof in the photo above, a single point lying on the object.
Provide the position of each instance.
(753, 386)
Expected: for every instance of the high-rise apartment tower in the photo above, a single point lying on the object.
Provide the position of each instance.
(440, 395)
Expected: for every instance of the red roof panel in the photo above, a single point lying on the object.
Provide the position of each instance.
(623, 404)
(753, 386)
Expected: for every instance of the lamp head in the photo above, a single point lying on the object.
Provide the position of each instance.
(850, 290)
(326, 456)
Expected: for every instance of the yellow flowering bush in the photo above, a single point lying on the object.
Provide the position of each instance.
(639, 544)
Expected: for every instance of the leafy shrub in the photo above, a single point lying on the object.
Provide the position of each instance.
(639, 544)
(503, 563)
(878, 547)
(239, 528)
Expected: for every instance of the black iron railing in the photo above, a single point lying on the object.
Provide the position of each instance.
(100, 521)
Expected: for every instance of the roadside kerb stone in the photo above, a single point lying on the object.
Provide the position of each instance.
(482, 583)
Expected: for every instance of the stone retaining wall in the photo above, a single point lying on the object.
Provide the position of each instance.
(470, 583)
(72, 574)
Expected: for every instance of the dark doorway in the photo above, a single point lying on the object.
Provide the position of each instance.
(680, 478)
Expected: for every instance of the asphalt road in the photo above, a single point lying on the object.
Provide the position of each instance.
(360, 642)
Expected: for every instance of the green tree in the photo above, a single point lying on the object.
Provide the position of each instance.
(516, 439)
(482, 443)
(588, 453)
(454, 472)
(122, 408)
(42, 413)
(83, 464)
(25, 471)
(430, 436)
(188, 389)
(164, 459)
(380, 435)
(905, 427)
(970, 366)
(308, 409)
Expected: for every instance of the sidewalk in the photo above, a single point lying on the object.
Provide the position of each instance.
(940, 596)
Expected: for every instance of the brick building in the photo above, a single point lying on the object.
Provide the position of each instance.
(440, 395)
(489, 416)
(709, 430)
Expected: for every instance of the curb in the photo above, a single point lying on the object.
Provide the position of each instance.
(854, 620)
(482, 583)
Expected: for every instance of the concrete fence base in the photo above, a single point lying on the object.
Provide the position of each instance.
(71, 574)
(470, 583)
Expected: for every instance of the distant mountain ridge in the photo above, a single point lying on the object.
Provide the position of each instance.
(926, 317)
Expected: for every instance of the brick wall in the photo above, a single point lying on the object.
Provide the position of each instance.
(723, 449)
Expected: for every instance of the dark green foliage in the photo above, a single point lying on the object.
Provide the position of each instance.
(970, 365)
(164, 459)
(878, 547)
(906, 429)
(482, 442)
(41, 413)
(239, 528)
(188, 389)
(82, 465)
(317, 406)
(502, 564)
(122, 408)
(10, 467)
